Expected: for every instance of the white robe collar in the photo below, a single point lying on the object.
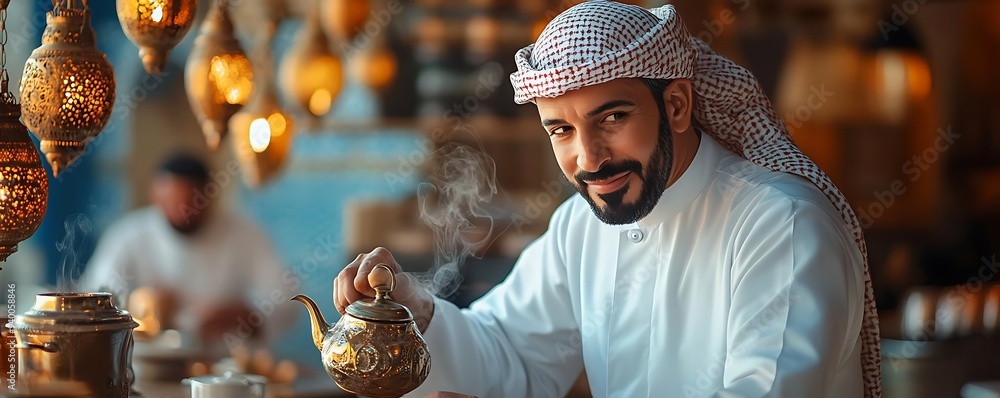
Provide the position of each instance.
(682, 192)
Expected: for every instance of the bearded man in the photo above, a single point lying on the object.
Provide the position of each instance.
(705, 254)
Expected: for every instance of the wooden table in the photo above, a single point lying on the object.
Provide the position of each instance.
(309, 387)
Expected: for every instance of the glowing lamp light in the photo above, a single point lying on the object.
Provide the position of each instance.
(320, 102)
(232, 78)
(260, 135)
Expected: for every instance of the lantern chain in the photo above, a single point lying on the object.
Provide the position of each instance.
(5, 95)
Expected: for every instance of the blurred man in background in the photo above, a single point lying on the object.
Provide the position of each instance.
(208, 272)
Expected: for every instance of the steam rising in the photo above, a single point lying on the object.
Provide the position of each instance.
(452, 205)
(79, 230)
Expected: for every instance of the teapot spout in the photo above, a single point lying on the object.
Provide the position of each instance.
(319, 325)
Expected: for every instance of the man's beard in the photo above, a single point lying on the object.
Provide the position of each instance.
(187, 229)
(654, 181)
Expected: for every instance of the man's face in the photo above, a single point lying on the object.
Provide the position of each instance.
(176, 199)
(613, 143)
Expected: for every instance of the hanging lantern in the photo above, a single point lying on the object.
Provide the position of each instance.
(311, 76)
(156, 26)
(263, 138)
(344, 19)
(218, 75)
(263, 132)
(24, 187)
(68, 87)
(376, 68)
(256, 19)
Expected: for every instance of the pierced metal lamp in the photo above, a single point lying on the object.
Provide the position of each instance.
(343, 19)
(156, 26)
(68, 86)
(218, 75)
(311, 76)
(24, 186)
(263, 132)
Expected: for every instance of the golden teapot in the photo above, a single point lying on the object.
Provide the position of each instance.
(375, 349)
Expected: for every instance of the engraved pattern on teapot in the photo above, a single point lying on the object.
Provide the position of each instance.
(375, 349)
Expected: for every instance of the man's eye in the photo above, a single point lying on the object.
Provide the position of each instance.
(559, 131)
(615, 117)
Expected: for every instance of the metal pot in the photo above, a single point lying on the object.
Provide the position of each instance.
(375, 350)
(959, 313)
(80, 337)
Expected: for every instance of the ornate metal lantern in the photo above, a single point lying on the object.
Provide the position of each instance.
(156, 26)
(68, 86)
(218, 75)
(263, 131)
(343, 19)
(311, 76)
(374, 67)
(24, 187)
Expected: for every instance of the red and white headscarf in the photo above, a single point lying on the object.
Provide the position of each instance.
(599, 41)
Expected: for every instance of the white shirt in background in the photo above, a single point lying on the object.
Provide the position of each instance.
(228, 258)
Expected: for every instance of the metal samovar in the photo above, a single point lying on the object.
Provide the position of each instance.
(76, 337)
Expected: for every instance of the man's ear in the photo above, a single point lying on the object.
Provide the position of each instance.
(678, 100)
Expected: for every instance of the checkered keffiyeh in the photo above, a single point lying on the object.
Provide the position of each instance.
(599, 41)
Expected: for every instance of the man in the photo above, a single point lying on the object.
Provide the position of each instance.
(682, 269)
(211, 265)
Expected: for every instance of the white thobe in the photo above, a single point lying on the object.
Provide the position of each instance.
(742, 282)
(229, 258)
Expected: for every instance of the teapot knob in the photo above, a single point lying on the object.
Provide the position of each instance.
(383, 280)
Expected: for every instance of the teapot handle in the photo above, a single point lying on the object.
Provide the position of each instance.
(383, 280)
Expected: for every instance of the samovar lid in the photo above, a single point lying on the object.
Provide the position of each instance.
(74, 312)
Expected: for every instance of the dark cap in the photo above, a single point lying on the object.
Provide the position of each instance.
(187, 166)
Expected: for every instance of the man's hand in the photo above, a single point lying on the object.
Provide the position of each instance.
(352, 285)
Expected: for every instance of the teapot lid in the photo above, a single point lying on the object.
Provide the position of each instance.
(380, 310)
(383, 308)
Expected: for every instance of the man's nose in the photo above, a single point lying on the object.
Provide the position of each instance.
(593, 151)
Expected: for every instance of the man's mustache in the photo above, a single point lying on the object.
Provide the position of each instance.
(609, 170)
